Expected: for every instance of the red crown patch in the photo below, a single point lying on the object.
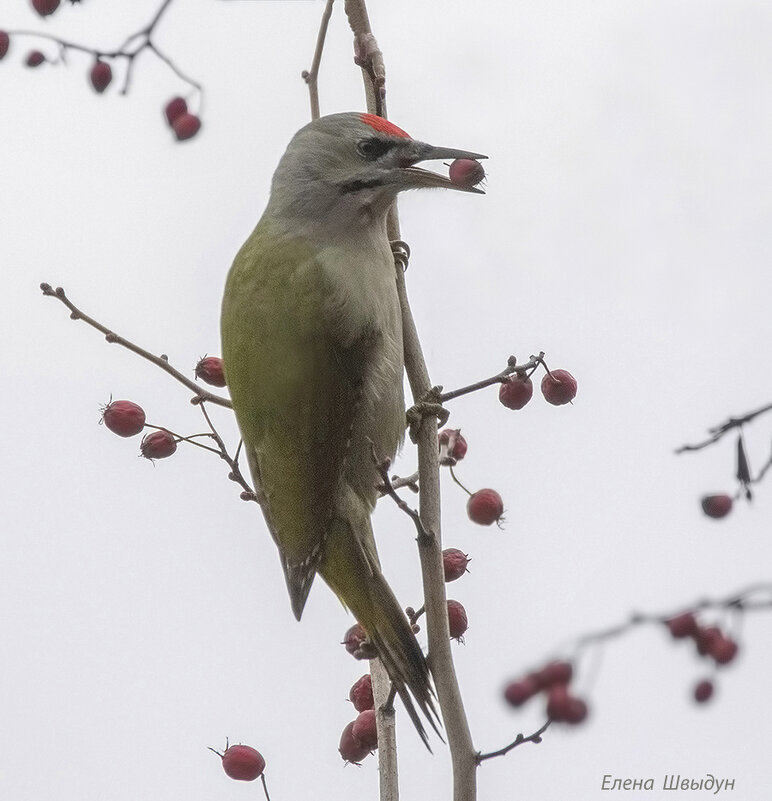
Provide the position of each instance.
(382, 125)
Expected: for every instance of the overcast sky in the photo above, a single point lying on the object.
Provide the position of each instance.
(625, 231)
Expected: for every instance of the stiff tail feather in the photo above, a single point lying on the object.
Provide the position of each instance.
(390, 633)
(350, 569)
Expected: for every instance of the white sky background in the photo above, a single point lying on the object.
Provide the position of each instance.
(626, 232)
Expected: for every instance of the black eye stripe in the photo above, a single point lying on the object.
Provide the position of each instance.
(373, 148)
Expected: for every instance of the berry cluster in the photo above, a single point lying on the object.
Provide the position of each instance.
(127, 419)
(558, 388)
(552, 681)
(185, 125)
(710, 641)
(360, 737)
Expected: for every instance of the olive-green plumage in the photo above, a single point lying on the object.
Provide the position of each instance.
(312, 348)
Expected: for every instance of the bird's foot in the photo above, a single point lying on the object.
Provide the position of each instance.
(401, 252)
(430, 405)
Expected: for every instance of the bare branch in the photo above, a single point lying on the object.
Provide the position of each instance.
(311, 76)
(387, 488)
(752, 598)
(512, 367)
(235, 474)
(162, 361)
(132, 46)
(519, 740)
(717, 432)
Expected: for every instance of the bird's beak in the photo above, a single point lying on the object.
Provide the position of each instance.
(418, 178)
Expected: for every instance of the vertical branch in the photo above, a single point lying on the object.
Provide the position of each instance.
(388, 777)
(463, 754)
(462, 751)
(311, 77)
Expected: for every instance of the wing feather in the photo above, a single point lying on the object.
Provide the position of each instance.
(295, 388)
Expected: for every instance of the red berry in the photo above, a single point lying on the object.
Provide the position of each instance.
(354, 638)
(186, 126)
(564, 707)
(358, 644)
(466, 172)
(711, 641)
(124, 418)
(365, 729)
(454, 563)
(558, 387)
(100, 76)
(703, 691)
(724, 650)
(518, 692)
(5, 43)
(350, 748)
(457, 621)
(34, 58)
(45, 7)
(707, 638)
(717, 506)
(516, 391)
(576, 711)
(683, 625)
(555, 673)
(485, 507)
(361, 693)
(210, 371)
(174, 108)
(558, 703)
(452, 446)
(243, 763)
(158, 445)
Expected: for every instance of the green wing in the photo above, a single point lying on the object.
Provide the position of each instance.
(295, 390)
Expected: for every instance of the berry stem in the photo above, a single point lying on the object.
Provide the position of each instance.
(265, 786)
(455, 478)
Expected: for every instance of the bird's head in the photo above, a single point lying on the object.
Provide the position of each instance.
(353, 163)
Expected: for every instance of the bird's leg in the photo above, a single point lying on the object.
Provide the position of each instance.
(428, 405)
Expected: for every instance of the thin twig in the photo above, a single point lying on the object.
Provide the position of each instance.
(232, 461)
(519, 740)
(743, 600)
(387, 488)
(398, 482)
(200, 395)
(311, 76)
(717, 432)
(512, 367)
(129, 50)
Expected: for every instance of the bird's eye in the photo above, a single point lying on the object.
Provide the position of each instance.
(372, 148)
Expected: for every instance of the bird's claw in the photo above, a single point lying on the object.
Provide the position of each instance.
(429, 405)
(400, 250)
